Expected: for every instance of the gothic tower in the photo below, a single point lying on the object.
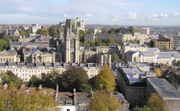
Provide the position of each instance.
(71, 40)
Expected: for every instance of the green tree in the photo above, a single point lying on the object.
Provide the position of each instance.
(105, 79)
(81, 36)
(12, 80)
(132, 30)
(54, 30)
(115, 57)
(34, 81)
(74, 77)
(103, 101)
(3, 44)
(90, 43)
(51, 79)
(145, 108)
(43, 31)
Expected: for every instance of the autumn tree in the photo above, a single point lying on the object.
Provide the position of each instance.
(105, 79)
(109, 41)
(20, 100)
(104, 101)
(12, 80)
(158, 72)
(155, 103)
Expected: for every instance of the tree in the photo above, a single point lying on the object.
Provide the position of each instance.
(81, 36)
(158, 72)
(103, 101)
(132, 30)
(34, 81)
(20, 100)
(74, 77)
(90, 43)
(109, 41)
(44, 32)
(51, 79)
(105, 79)
(12, 80)
(155, 103)
(3, 44)
(54, 30)
(115, 57)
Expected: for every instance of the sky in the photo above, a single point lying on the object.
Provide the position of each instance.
(107, 12)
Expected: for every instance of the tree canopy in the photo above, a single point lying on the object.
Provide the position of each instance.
(158, 72)
(4, 44)
(20, 100)
(155, 103)
(115, 57)
(54, 30)
(74, 77)
(12, 80)
(105, 79)
(43, 31)
(103, 101)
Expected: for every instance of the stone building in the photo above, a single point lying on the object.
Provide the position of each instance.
(26, 71)
(175, 42)
(9, 56)
(162, 43)
(134, 37)
(37, 57)
(71, 40)
(132, 83)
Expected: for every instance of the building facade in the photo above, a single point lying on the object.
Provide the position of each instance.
(71, 39)
(162, 43)
(9, 56)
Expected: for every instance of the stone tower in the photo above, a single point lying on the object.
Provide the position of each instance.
(71, 40)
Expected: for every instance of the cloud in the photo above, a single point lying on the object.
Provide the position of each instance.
(132, 15)
(158, 16)
(89, 15)
(92, 11)
(64, 8)
(176, 14)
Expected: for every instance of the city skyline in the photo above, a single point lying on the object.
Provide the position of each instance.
(106, 12)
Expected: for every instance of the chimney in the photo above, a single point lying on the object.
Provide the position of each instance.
(74, 97)
(57, 93)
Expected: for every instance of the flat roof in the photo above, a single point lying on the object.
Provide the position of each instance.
(164, 88)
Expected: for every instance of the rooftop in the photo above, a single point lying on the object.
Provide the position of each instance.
(164, 88)
(168, 54)
(135, 76)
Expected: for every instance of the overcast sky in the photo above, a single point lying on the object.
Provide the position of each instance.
(120, 12)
